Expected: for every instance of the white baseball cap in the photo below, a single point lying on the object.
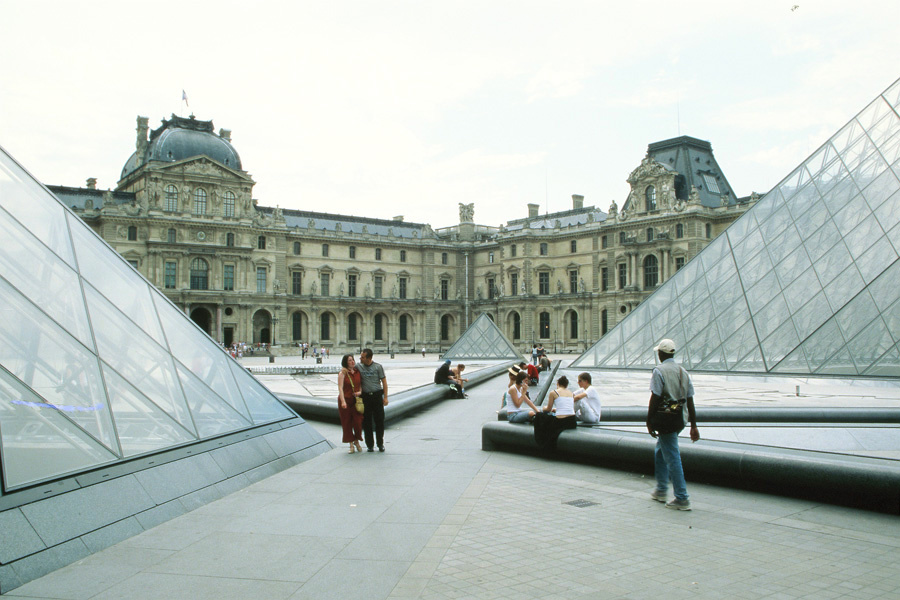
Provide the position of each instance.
(666, 345)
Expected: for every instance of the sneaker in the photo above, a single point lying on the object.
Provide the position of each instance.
(677, 504)
(381, 448)
(658, 496)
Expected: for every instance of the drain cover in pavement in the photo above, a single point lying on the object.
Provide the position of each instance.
(581, 503)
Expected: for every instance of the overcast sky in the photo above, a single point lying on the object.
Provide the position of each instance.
(384, 108)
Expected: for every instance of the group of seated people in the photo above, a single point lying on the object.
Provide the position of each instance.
(452, 376)
(583, 404)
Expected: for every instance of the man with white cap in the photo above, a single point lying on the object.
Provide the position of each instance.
(671, 404)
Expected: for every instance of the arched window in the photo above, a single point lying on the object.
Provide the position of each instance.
(132, 233)
(604, 322)
(170, 236)
(651, 271)
(649, 234)
(517, 326)
(199, 274)
(297, 325)
(228, 202)
(199, 201)
(445, 328)
(404, 327)
(650, 195)
(544, 326)
(679, 230)
(171, 198)
(573, 325)
(229, 239)
(379, 327)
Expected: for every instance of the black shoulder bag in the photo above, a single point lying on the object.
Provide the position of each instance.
(669, 416)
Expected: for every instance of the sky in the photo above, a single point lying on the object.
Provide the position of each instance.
(386, 108)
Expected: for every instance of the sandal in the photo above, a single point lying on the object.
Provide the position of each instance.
(358, 447)
(352, 448)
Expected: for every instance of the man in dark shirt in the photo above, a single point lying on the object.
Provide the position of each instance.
(443, 376)
(375, 398)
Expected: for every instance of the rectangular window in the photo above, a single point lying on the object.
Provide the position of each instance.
(622, 276)
(379, 286)
(296, 282)
(445, 289)
(170, 275)
(352, 251)
(351, 286)
(573, 282)
(261, 280)
(377, 253)
(573, 246)
(325, 279)
(261, 242)
(679, 262)
(604, 279)
(512, 251)
(604, 241)
(324, 249)
(228, 278)
(229, 204)
(513, 284)
(711, 184)
(403, 282)
(544, 250)
(490, 258)
(170, 236)
(543, 284)
(403, 256)
(492, 289)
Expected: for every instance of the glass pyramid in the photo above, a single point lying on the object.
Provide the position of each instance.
(806, 281)
(483, 340)
(96, 366)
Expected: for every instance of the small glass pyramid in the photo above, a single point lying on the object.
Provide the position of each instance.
(483, 340)
(96, 366)
(805, 282)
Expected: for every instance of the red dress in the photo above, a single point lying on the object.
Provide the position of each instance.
(351, 420)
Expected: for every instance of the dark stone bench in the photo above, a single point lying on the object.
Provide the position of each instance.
(763, 414)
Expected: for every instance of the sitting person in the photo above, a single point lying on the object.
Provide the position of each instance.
(512, 371)
(456, 376)
(519, 407)
(544, 363)
(533, 374)
(443, 376)
(587, 401)
(546, 426)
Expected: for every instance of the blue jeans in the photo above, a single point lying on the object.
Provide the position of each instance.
(518, 417)
(668, 466)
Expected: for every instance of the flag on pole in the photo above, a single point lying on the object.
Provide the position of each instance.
(184, 98)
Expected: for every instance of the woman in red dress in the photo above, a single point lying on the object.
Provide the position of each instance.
(348, 391)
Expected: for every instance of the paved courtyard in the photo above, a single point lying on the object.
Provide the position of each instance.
(436, 517)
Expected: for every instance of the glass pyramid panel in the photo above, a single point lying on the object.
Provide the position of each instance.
(87, 377)
(483, 340)
(804, 256)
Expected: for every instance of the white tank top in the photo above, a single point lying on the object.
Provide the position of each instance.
(510, 406)
(564, 405)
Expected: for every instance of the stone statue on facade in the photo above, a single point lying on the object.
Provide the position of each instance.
(581, 285)
(313, 288)
(558, 286)
(466, 212)
(524, 291)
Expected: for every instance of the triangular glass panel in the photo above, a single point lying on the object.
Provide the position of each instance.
(263, 406)
(871, 343)
(212, 415)
(839, 364)
(483, 340)
(736, 347)
(795, 362)
(141, 425)
(887, 366)
(37, 442)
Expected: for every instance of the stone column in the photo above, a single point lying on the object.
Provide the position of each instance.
(219, 336)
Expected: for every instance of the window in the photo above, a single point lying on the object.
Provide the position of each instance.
(573, 281)
(679, 262)
(404, 327)
(623, 276)
(169, 281)
(604, 242)
(649, 234)
(199, 201)
(377, 253)
(573, 246)
(708, 231)
(650, 195)
(132, 233)
(261, 242)
(573, 325)
(490, 258)
(445, 289)
(604, 322)
(403, 282)
(604, 279)
(544, 325)
(297, 325)
(199, 274)
(351, 327)
(513, 251)
(134, 264)
(352, 251)
(445, 328)
(379, 286)
(679, 230)
(543, 283)
(403, 256)
(228, 203)
(296, 282)
(325, 327)
(651, 271)
(170, 236)
(492, 288)
(228, 278)
(444, 258)
(711, 184)
(324, 249)
(324, 280)
(171, 198)
(379, 327)
(543, 248)
(297, 248)
(621, 237)
(229, 240)
(261, 280)
(351, 285)
(513, 284)
(517, 326)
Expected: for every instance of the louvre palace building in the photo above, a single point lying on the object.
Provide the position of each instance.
(184, 216)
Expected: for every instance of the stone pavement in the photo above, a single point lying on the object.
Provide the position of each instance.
(436, 517)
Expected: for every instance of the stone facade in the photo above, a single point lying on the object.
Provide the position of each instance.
(254, 273)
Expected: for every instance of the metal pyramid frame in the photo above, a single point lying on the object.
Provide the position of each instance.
(483, 340)
(805, 282)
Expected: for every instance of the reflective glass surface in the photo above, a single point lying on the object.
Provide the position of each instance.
(483, 339)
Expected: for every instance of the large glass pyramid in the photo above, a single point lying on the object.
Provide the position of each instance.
(96, 366)
(483, 340)
(806, 281)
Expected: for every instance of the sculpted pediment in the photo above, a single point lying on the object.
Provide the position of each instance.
(201, 165)
(648, 168)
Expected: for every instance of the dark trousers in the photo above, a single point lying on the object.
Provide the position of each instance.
(374, 413)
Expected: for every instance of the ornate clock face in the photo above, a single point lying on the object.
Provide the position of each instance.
(201, 235)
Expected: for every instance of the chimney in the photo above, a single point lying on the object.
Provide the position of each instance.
(399, 218)
(225, 134)
(91, 183)
(577, 201)
(141, 144)
(533, 210)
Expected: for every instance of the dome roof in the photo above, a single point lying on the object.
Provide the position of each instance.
(179, 138)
